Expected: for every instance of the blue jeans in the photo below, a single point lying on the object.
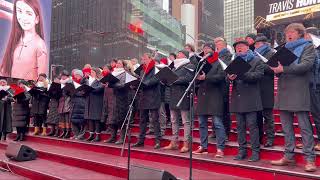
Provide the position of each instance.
(219, 129)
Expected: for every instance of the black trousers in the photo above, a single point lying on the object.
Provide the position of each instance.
(22, 130)
(260, 125)
(248, 119)
(94, 126)
(144, 118)
(38, 120)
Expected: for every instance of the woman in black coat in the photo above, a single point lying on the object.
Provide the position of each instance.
(78, 102)
(40, 101)
(53, 115)
(21, 111)
(117, 103)
(93, 106)
(5, 110)
(64, 107)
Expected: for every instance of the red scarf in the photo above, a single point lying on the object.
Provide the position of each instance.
(105, 73)
(86, 70)
(213, 58)
(164, 61)
(148, 67)
(76, 80)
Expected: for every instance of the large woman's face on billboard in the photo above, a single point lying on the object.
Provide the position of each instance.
(26, 52)
(26, 16)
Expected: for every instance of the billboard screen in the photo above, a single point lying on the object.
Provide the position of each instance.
(24, 38)
(272, 12)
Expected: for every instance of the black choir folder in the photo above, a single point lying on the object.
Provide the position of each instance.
(36, 90)
(284, 56)
(109, 79)
(238, 67)
(3, 94)
(54, 87)
(166, 76)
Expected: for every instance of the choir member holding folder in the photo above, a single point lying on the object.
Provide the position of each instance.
(294, 95)
(65, 104)
(53, 118)
(78, 101)
(5, 109)
(182, 74)
(117, 102)
(245, 72)
(150, 100)
(94, 102)
(40, 101)
(265, 52)
(21, 109)
(210, 102)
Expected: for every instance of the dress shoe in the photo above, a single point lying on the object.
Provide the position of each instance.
(283, 162)
(138, 144)
(310, 167)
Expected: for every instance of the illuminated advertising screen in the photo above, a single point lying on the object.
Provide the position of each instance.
(24, 38)
(273, 12)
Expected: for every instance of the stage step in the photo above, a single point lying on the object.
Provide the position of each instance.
(279, 137)
(49, 170)
(259, 170)
(108, 163)
(6, 175)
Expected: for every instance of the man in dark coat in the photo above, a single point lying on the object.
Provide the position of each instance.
(294, 96)
(5, 110)
(267, 91)
(225, 55)
(93, 108)
(210, 103)
(21, 110)
(246, 101)
(150, 100)
(313, 34)
(185, 70)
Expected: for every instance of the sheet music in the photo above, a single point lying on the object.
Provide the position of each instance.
(265, 60)
(129, 78)
(224, 66)
(315, 40)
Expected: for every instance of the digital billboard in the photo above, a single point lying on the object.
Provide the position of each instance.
(272, 12)
(24, 38)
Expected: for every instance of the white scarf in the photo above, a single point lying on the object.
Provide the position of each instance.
(117, 71)
(4, 88)
(180, 62)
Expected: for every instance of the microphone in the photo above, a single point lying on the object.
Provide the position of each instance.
(205, 57)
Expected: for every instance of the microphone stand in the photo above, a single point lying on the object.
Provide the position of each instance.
(191, 92)
(128, 129)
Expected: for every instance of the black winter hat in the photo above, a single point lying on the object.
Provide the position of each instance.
(210, 45)
(240, 42)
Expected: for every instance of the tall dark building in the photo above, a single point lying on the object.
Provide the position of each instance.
(211, 23)
(97, 31)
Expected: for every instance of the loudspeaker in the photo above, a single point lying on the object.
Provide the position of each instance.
(145, 173)
(19, 152)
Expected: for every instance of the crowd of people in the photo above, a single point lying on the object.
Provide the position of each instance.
(70, 114)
